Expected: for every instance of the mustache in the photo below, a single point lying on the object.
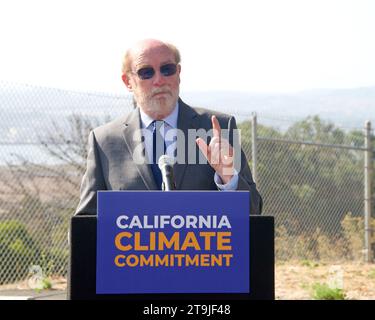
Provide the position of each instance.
(160, 90)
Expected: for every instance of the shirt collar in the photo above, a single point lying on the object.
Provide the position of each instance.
(171, 120)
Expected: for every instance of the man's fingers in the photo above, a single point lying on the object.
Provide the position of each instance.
(202, 146)
(216, 127)
(226, 148)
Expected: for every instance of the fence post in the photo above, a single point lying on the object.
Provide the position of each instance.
(368, 192)
(254, 146)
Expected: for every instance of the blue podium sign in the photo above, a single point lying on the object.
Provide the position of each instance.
(172, 242)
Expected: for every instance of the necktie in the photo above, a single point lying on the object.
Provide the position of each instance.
(158, 149)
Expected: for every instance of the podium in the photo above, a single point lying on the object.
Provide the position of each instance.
(221, 251)
(82, 278)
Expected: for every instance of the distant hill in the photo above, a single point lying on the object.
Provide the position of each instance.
(346, 107)
(26, 111)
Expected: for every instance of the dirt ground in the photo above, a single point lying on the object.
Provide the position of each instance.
(293, 281)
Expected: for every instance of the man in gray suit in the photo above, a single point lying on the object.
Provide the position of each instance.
(121, 154)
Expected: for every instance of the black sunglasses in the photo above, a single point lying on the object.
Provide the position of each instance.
(166, 70)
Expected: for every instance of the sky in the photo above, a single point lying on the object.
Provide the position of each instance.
(250, 46)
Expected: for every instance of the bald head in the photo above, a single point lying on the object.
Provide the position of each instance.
(145, 46)
(157, 93)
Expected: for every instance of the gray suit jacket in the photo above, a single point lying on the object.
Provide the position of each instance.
(110, 163)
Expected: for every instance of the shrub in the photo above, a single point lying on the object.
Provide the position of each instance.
(17, 251)
(325, 292)
(354, 234)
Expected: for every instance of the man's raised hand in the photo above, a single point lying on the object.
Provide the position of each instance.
(219, 152)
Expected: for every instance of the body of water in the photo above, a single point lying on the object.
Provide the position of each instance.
(17, 154)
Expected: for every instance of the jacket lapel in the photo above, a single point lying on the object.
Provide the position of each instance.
(187, 119)
(133, 139)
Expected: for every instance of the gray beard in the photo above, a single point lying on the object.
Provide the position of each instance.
(157, 108)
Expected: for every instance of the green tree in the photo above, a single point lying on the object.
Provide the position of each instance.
(17, 251)
(306, 186)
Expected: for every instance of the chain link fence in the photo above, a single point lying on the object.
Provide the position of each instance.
(312, 179)
(310, 174)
